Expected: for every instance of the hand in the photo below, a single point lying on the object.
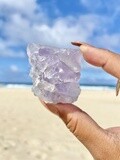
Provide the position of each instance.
(103, 144)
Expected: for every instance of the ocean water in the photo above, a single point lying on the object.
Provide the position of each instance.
(97, 77)
(82, 87)
(92, 77)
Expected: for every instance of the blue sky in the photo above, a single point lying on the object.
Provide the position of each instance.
(56, 23)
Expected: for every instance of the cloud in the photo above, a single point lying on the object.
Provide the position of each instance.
(112, 41)
(26, 22)
(7, 51)
(64, 30)
(26, 7)
(91, 4)
(14, 68)
(15, 21)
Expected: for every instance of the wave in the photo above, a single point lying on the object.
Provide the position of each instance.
(84, 87)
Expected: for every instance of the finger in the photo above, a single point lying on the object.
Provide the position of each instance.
(108, 60)
(83, 127)
(52, 108)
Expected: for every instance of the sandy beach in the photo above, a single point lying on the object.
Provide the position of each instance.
(29, 132)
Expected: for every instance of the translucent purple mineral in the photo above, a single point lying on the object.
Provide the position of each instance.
(55, 73)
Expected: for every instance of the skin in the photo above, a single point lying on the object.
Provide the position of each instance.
(103, 144)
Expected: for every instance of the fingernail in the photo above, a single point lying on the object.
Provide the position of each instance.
(83, 48)
(76, 43)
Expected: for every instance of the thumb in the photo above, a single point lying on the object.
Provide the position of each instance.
(82, 126)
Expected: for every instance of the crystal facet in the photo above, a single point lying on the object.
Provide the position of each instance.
(55, 73)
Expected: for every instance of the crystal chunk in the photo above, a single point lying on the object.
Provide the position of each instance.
(55, 73)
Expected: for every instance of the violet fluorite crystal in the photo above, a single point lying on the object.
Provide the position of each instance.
(55, 73)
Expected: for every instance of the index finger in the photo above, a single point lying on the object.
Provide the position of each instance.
(106, 59)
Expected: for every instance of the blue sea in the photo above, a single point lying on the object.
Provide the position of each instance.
(91, 77)
(83, 87)
(88, 84)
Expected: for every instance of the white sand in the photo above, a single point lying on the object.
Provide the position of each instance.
(29, 132)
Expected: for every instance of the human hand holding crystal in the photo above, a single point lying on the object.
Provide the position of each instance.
(103, 144)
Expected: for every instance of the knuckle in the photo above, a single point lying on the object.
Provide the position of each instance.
(72, 125)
